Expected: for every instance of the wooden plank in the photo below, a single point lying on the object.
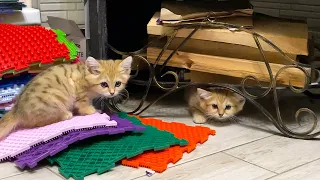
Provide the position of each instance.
(203, 77)
(227, 66)
(225, 50)
(291, 37)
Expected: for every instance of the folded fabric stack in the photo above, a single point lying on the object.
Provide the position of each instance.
(24, 46)
(11, 87)
(9, 6)
(91, 144)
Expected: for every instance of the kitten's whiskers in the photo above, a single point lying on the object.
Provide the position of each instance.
(233, 119)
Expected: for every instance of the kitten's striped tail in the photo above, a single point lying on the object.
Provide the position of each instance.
(7, 124)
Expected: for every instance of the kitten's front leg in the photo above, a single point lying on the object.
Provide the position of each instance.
(84, 107)
(198, 116)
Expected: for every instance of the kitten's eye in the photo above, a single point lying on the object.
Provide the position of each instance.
(95, 71)
(104, 84)
(215, 106)
(228, 107)
(118, 84)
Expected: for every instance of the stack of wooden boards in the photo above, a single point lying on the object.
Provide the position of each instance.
(221, 55)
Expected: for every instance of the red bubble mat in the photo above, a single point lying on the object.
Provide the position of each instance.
(159, 160)
(25, 46)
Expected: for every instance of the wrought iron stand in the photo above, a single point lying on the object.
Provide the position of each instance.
(272, 87)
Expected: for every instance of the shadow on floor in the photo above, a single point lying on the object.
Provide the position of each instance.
(174, 106)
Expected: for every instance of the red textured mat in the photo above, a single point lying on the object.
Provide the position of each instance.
(159, 160)
(23, 46)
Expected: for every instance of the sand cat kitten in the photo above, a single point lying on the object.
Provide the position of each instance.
(217, 104)
(60, 91)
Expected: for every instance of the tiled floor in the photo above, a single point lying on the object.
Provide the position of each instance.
(246, 150)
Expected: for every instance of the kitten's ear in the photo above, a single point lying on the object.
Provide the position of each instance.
(126, 63)
(203, 93)
(92, 65)
(239, 98)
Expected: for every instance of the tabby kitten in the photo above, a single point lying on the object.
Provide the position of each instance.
(60, 91)
(217, 104)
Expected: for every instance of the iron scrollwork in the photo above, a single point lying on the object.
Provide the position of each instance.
(272, 86)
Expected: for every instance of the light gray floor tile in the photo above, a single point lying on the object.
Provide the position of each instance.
(218, 167)
(278, 154)
(310, 171)
(40, 174)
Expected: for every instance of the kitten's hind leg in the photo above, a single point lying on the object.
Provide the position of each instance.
(44, 116)
(67, 115)
(84, 107)
(198, 116)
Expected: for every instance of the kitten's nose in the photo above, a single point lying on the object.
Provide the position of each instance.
(112, 93)
(220, 115)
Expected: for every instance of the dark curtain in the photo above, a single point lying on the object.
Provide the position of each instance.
(127, 23)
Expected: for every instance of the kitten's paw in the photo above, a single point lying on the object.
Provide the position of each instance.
(87, 110)
(198, 119)
(67, 115)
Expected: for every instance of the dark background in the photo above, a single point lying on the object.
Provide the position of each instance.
(127, 24)
(127, 21)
